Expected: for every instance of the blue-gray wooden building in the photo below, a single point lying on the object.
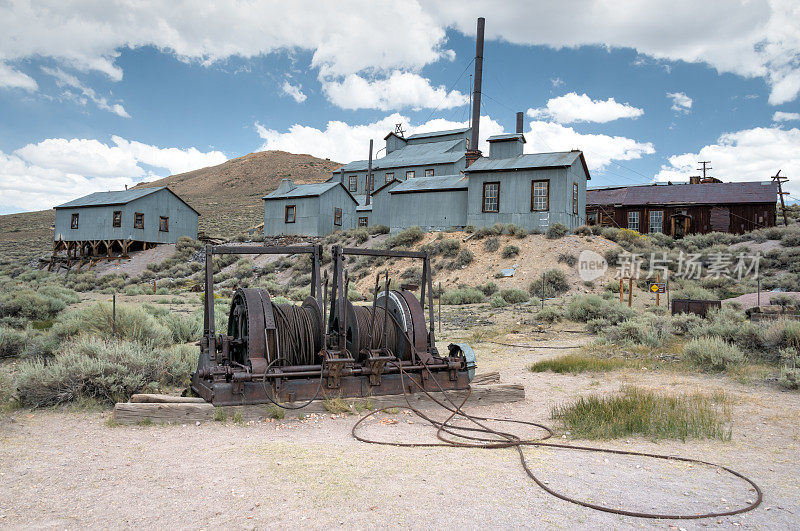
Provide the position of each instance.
(110, 224)
(308, 209)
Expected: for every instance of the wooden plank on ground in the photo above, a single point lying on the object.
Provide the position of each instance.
(146, 398)
(134, 413)
(486, 378)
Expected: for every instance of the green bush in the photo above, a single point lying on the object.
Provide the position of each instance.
(567, 258)
(133, 323)
(491, 244)
(783, 300)
(712, 353)
(553, 282)
(583, 230)
(464, 258)
(29, 304)
(110, 371)
(791, 238)
(510, 251)
(489, 289)
(789, 378)
(514, 295)
(549, 314)
(647, 330)
(584, 308)
(516, 230)
(498, 302)
(463, 296)
(556, 231)
(405, 238)
(445, 247)
(378, 229)
(12, 342)
(361, 235)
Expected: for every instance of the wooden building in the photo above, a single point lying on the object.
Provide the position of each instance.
(679, 209)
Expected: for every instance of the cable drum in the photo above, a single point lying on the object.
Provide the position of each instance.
(298, 332)
(359, 322)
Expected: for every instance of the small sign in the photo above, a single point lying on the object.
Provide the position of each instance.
(658, 287)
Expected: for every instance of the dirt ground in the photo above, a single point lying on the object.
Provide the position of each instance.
(74, 470)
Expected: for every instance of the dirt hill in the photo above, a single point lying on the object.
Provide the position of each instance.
(228, 197)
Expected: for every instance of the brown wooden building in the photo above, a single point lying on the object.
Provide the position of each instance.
(679, 209)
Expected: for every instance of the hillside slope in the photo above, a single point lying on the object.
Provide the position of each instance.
(228, 196)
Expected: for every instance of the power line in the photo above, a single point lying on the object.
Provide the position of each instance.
(449, 90)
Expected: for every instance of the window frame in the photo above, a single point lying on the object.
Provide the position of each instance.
(337, 216)
(74, 221)
(365, 220)
(138, 220)
(483, 198)
(163, 223)
(287, 209)
(638, 216)
(116, 219)
(352, 183)
(575, 198)
(546, 208)
(431, 170)
(410, 174)
(650, 222)
(389, 176)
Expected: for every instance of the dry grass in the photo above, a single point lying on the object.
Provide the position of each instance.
(577, 363)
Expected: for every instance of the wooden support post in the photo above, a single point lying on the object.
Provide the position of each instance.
(630, 291)
(658, 299)
(780, 180)
(621, 290)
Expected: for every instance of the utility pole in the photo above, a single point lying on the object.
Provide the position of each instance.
(704, 168)
(780, 180)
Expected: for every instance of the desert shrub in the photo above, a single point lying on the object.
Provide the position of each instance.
(134, 290)
(783, 334)
(133, 323)
(789, 378)
(300, 294)
(300, 280)
(108, 370)
(514, 295)
(412, 275)
(490, 288)
(691, 290)
(683, 323)
(712, 353)
(65, 294)
(469, 229)
(549, 314)
(464, 258)
(463, 296)
(42, 345)
(609, 233)
(791, 238)
(641, 330)
(567, 258)
(553, 282)
(378, 229)
(12, 342)
(491, 244)
(556, 231)
(243, 268)
(628, 236)
(584, 308)
(510, 251)
(498, 302)
(405, 238)
(184, 328)
(516, 230)
(611, 256)
(583, 230)
(445, 247)
(483, 232)
(361, 235)
(280, 299)
(783, 300)
(29, 304)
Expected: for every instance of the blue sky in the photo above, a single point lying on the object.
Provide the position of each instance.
(99, 96)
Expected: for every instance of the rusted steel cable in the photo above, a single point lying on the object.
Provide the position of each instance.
(498, 439)
(379, 325)
(296, 334)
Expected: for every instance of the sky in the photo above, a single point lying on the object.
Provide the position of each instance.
(96, 95)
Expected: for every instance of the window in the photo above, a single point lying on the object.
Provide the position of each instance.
(591, 218)
(291, 212)
(410, 174)
(540, 196)
(337, 216)
(633, 220)
(656, 221)
(117, 220)
(363, 222)
(163, 224)
(74, 223)
(575, 198)
(389, 176)
(138, 220)
(353, 183)
(370, 182)
(429, 172)
(491, 197)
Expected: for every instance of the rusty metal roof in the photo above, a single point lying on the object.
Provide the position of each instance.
(685, 194)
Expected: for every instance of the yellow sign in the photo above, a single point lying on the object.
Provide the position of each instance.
(654, 288)
(658, 287)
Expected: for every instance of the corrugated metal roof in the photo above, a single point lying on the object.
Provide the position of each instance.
(439, 133)
(303, 190)
(522, 162)
(120, 197)
(412, 155)
(506, 136)
(431, 184)
(683, 194)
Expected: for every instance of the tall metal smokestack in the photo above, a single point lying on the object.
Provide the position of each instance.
(368, 184)
(476, 91)
(519, 122)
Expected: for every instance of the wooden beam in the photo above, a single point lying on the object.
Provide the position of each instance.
(148, 398)
(176, 413)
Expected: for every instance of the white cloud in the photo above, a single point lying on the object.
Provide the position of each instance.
(295, 91)
(680, 102)
(781, 116)
(572, 107)
(747, 155)
(342, 142)
(10, 78)
(64, 79)
(599, 150)
(557, 82)
(57, 170)
(399, 90)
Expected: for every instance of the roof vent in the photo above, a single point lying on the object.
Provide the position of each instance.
(287, 185)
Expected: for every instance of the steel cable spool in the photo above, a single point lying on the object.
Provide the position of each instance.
(359, 321)
(299, 332)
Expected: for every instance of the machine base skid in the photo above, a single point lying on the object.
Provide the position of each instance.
(303, 389)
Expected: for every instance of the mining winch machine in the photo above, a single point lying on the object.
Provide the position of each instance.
(326, 347)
